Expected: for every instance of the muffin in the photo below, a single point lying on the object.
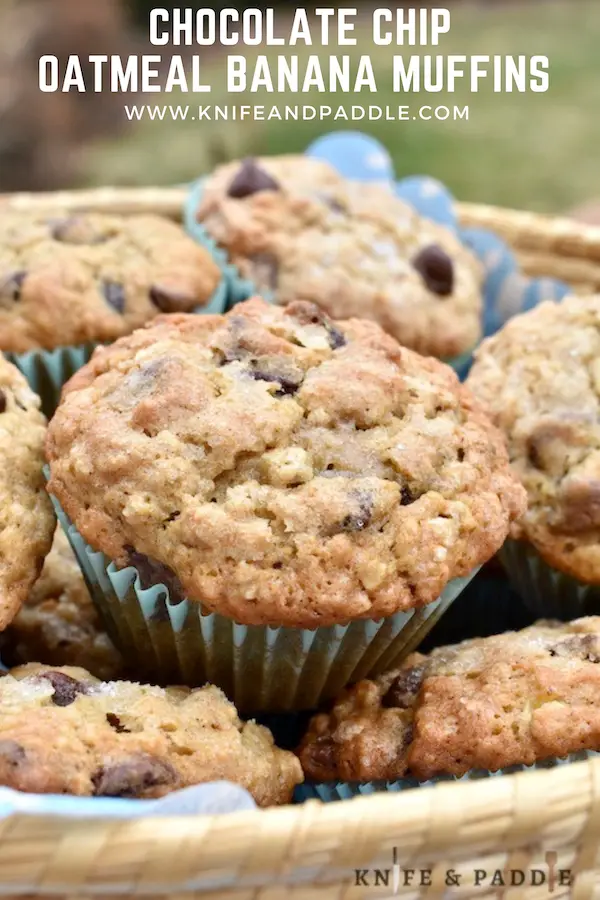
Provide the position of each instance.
(540, 380)
(279, 470)
(58, 624)
(88, 278)
(297, 230)
(486, 704)
(64, 732)
(26, 518)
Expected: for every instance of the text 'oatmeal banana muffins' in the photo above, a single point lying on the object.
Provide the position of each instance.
(485, 704)
(68, 282)
(58, 625)
(298, 230)
(540, 380)
(277, 468)
(64, 732)
(26, 518)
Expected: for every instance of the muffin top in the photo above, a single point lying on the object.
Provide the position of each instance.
(298, 229)
(540, 379)
(281, 468)
(487, 703)
(26, 516)
(64, 732)
(93, 277)
(58, 624)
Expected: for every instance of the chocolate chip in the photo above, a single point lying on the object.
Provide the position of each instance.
(152, 572)
(133, 778)
(3, 401)
(406, 496)
(265, 268)
(581, 646)
(287, 387)
(114, 294)
(336, 338)
(332, 203)
(11, 753)
(361, 518)
(436, 269)
(116, 723)
(404, 688)
(171, 301)
(321, 753)
(251, 179)
(75, 230)
(66, 689)
(11, 285)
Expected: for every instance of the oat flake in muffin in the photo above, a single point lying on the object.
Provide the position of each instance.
(288, 469)
(540, 379)
(297, 228)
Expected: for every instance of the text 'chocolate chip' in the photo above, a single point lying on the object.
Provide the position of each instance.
(251, 179)
(436, 268)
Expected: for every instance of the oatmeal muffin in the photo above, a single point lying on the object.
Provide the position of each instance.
(487, 703)
(299, 230)
(540, 380)
(281, 468)
(64, 732)
(58, 624)
(26, 517)
(92, 277)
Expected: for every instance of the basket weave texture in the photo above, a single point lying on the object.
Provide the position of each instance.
(547, 820)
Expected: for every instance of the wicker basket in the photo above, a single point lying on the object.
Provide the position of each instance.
(546, 821)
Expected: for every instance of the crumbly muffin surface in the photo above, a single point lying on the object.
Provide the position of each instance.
(487, 703)
(58, 624)
(64, 732)
(26, 516)
(288, 469)
(297, 228)
(94, 277)
(540, 379)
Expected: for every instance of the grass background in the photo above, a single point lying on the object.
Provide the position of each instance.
(536, 151)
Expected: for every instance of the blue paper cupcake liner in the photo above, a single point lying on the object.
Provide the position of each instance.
(261, 668)
(334, 791)
(547, 592)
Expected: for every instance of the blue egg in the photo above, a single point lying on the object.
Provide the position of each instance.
(354, 155)
(430, 198)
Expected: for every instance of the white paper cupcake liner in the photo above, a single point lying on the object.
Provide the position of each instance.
(261, 668)
(333, 791)
(547, 592)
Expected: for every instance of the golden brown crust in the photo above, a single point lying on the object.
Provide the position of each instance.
(487, 703)
(540, 380)
(290, 470)
(354, 249)
(64, 732)
(58, 624)
(94, 277)
(26, 517)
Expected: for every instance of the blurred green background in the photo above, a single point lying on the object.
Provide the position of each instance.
(536, 151)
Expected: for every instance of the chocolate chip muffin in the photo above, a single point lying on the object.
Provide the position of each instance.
(64, 732)
(302, 232)
(540, 379)
(58, 624)
(26, 517)
(281, 468)
(487, 703)
(85, 278)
